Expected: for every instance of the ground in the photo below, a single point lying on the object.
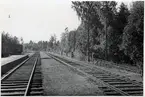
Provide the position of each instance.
(61, 80)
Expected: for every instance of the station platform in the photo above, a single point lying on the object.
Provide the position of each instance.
(10, 59)
(10, 62)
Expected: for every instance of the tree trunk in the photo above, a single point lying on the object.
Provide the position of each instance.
(88, 50)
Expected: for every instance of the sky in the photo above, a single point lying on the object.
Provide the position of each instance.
(37, 19)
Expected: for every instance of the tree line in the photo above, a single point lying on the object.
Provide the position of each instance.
(51, 45)
(107, 32)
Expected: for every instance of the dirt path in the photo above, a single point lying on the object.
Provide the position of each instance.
(60, 80)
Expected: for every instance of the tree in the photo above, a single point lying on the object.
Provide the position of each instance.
(121, 18)
(115, 34)
(132, 40)
(94, 15)
(86, 12)
(52, 42)
(64, 43)
(81, 42)
(10, 45)
(72, 42)
(106, 12)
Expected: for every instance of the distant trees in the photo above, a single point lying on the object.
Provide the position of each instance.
(41, 45)
(51, 45)
(10, 45)
(52, 42)
(31, 46)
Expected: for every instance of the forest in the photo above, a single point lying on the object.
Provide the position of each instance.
(107, 32)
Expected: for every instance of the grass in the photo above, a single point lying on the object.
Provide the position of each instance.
(109, 64)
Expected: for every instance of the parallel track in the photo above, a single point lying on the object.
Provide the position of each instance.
(23, 80)
(114, 85)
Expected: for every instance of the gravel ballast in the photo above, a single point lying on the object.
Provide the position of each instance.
(59, 80)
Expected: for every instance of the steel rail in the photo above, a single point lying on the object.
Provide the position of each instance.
(27, 91)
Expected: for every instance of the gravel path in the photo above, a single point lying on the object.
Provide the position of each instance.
(60, 80)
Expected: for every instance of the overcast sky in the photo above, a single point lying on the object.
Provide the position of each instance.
(37, 19)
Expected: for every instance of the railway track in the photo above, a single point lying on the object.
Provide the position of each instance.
(114, 85)
(24, 80)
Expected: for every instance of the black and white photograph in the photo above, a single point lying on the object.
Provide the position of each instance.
(72, 48)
